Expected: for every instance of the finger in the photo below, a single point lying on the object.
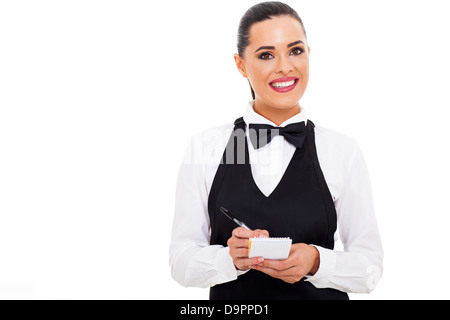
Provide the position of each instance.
(269, 271)
(234, 242)
(260, 233)
(239, 253)
(242, 233)
(274, 272)
(279, 265)
(290, 275)
(246, 263)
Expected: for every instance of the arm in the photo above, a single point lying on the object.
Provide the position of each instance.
(356, 269)
(193, 261)
(359, 267)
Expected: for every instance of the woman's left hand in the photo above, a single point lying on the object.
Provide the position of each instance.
(303, 259)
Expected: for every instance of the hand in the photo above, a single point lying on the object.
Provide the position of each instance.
(238, 245)
(303, 259)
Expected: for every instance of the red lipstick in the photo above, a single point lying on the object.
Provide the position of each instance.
(284, 84)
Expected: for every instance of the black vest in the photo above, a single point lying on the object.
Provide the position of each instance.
(300, 207)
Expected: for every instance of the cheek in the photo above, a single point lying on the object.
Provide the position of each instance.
(303, 68)
(259, 74)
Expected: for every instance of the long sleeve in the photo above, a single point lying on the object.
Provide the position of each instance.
(193, 261)
(358, 268)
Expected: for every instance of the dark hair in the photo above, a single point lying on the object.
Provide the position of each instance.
(261, 12)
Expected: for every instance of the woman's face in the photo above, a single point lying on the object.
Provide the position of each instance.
(276, 62)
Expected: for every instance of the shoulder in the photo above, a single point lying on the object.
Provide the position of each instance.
(334, 144)
(207, 146)
(337, 154)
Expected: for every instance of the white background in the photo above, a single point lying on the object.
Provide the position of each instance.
(98, 100)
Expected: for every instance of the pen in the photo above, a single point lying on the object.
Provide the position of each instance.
(229, 215)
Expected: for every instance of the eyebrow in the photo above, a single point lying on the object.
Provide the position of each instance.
(265, 48)
(273, 48)
(294, 43)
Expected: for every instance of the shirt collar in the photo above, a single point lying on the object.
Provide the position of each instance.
(252, 117)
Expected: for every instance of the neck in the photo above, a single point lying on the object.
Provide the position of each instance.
(276, 115)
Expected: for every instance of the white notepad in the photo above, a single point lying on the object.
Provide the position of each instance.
(269, 248)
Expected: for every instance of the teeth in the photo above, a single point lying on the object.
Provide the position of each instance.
(282, 84)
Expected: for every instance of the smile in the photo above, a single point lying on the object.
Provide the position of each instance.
(284, 84)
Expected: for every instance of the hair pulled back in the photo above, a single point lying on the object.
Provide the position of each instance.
(258, 13)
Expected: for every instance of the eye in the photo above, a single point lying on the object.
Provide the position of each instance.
(266, 56)
(297, 51)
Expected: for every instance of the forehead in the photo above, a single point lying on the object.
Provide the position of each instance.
(278, 30)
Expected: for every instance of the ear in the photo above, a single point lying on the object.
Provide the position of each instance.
(240, 65)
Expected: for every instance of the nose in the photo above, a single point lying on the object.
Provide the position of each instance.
(284, 66)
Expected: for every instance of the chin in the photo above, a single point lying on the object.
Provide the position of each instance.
(285, 102)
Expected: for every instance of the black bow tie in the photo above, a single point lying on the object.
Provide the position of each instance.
(261, 134)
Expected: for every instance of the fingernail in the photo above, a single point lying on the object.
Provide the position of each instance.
(261, 259)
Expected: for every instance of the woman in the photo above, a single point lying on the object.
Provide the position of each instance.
(293, 179)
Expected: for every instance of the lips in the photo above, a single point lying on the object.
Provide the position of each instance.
(284, 84)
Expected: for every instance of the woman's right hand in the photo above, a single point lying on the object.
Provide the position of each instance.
(238, 245)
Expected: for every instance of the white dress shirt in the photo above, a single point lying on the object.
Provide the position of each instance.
(194, 262)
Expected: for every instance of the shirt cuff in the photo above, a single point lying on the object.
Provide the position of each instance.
(224, 265)
(326, 267)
